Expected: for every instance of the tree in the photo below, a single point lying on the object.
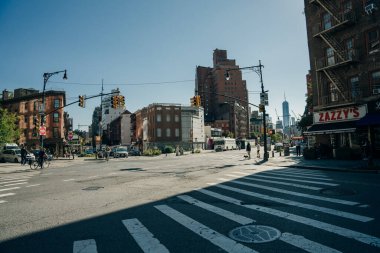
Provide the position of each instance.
(9, 131)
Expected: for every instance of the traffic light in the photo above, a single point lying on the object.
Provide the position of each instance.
(193, 101)
(115, 102)
(198, 100)
(82, 101)
(36, 123)
(121, 101)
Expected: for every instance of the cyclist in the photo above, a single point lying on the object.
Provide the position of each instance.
(41, 157)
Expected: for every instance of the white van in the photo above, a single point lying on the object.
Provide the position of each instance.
(6, 146)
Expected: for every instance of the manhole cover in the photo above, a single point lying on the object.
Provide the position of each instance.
(254, 234)
(92, 188)
(337, 191)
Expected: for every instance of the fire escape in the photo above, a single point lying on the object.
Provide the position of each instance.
(338, 53)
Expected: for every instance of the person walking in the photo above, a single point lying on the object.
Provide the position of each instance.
(248, 149)
(23, 155)
(41, 157)
(108, 151)
(258, 150)
(298, 147)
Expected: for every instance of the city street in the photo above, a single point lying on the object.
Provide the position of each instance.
(189, 203)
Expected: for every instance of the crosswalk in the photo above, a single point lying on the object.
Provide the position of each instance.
(10, 184)
(283, 208)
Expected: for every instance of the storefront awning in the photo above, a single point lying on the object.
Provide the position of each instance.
(331, 128)
(369, 120)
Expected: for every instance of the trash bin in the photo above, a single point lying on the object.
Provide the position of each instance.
(286, 149)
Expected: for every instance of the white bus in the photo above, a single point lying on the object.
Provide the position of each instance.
(221, 144)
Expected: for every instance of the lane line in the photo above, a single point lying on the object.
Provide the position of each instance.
(222, 212)
(16, 181)
(7, 194)
(207, 233)
(306, 244)
(304, 195)
(33, 185)
(2, 201)
(321, 209)
(296, 180)
(9, 189)
(348, 233)
(281, 183)
(14, 184)
(144, 238)
(67, 180)
(85, 246)
(295, 175)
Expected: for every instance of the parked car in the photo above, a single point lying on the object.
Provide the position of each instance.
(10, 155)
(37, 151)
(120, 152)
(134, 152)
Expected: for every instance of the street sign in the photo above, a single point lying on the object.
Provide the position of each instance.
(70, 136)
(264, 98)
(42, 130)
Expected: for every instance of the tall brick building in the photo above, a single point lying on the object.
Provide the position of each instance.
(227, 113)
(344, 50)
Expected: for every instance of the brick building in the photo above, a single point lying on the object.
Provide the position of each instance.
(225, 102)
(344, 50)
(26, 103)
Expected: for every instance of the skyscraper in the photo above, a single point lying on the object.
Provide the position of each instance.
(285, 113)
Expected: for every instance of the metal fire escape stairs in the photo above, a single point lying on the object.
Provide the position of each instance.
(339, 51)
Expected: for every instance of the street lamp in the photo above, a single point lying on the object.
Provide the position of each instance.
(42, 109)
(258, 70)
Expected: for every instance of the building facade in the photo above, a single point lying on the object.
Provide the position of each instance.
(224, 100)
(26, 104)
(344, 50)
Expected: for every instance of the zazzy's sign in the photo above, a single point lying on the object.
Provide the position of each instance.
(340, 114)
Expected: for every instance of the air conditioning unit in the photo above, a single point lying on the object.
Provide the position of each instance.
(376, 91)
(369, 8)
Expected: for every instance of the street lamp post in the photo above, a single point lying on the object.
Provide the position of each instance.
(258, 70)
(42, 109)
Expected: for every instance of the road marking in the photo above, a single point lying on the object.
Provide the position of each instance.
(67, 180)
(281, 183)
(85, 246)
(7, 194)
(280, 173)
(143, 237)
(93, 176)
(113, 173)
(227, 214)
(297, 180)
(242, 173)
(207, 233)
(330, 211)
(14, 184)
(9, 189)
(303, 172)
(337, 201)
(348, 233)
(2, 201)
(305, 244)
(33, 185)
(16, 181)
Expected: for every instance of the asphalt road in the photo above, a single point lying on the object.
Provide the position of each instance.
(191, 203)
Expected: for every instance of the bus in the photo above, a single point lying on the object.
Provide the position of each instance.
(222, 144)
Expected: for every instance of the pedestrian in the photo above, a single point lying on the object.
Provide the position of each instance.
(108, 151)
(248, 149)
(258, 150)
(41, 157)
(23, 155)
(298, 147)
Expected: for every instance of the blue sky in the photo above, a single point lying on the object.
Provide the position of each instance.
(130, 43)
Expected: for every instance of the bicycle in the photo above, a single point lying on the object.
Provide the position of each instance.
(35, 164)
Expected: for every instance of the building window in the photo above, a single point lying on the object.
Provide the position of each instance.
(375, 82)
(26, 106)
(158, 132)
(158, 117)
(347, 6)
(168, 132)
(326, 21)
(55, 132)
(55, 117)
(26, 119)
(57, 103)
(176, 118)
(355, 88)
(350, 48)
(333, 92)
(176, 132)
(330, 56)
(167, 117)
(373, 39)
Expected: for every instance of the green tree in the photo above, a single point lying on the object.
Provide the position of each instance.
(9, 131)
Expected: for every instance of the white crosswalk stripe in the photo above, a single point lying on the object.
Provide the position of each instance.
(207, 233)
(85, 246)
(305, 244)
(296, 175)
(16, 181)
(297, 180)
(143, 237)
(351, 234)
